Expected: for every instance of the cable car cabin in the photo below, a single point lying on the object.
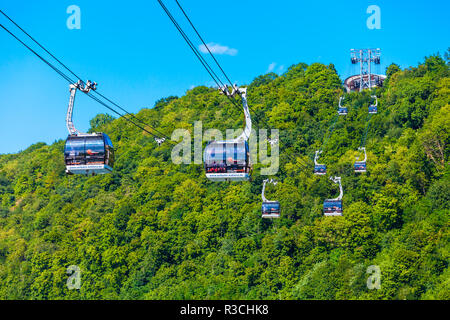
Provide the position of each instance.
(270, 209)
(360, 166)
(342, 111)
(332, 207)
(373, 109)
(89, 154)
(320, 169)
(227, 161)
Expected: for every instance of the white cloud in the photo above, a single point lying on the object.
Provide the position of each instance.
(271, 67)
(218, 49)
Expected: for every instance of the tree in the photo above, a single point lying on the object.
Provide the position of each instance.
(156, 230)
(100, 120)
(164, 102)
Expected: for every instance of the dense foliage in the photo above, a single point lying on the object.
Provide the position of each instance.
(156, 230)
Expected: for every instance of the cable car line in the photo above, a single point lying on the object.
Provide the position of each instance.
(193, 48)
(119, 114)
(202, 60)
(39, 56)
(373, 109)
(199, 56)
(210, 70)
(204, 43)
(331, 128)
(76, 76)
(366, 130)
(321, 169)
(212, 55)
(208, 67)
(68, 79)
(161, 135)
(71, 81)
(42, 47)
(361, 166)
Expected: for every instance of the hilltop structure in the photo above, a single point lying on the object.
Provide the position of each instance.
(366, 79)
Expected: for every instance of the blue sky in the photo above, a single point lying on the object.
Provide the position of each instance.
(136, 55)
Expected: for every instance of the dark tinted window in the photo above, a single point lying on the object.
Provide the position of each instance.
(74, 146)
(95, 149)
(74, 151)
(360, 165)
(270, 207)
(241, 152)
(214, 153)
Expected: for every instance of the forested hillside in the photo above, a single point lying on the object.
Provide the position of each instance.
(156, 230)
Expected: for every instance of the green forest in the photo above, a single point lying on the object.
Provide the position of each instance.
(157, 230)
